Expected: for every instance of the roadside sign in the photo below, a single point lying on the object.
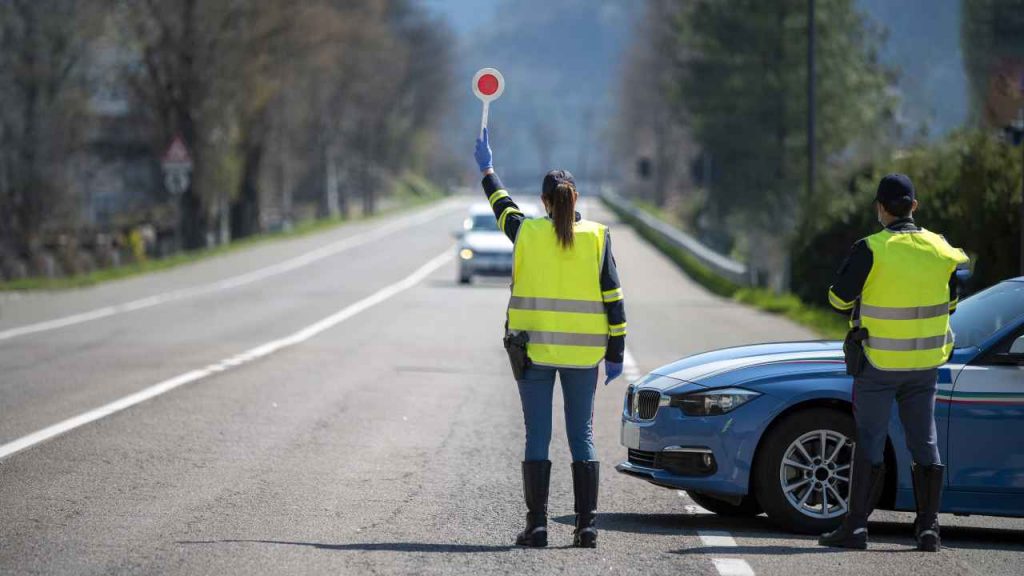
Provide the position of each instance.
(488, 85)
(177, 165)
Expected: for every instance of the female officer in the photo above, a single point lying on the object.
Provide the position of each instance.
(567, 299)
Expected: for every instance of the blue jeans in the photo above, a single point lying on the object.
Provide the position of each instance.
(536, 390)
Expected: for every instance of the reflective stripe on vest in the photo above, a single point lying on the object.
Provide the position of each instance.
(555, 305)
(556, 294)
(905, 301)
(907, 313)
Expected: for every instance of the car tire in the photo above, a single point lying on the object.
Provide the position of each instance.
(465, 278)
(768, 475)
(747, 508)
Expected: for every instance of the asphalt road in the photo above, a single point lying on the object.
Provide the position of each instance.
(338, 404)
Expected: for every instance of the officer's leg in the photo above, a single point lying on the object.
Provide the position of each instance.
(578, 388)
(872, 404)
(916, 397)
(535, 391)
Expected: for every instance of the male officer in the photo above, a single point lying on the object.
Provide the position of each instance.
(899, 287)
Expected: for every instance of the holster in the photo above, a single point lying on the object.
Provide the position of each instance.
(515, 345)
(853, 350)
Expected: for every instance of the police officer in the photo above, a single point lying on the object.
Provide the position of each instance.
(567, 299)
(899, 287)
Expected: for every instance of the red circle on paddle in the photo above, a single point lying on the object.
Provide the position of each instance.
(487, 84)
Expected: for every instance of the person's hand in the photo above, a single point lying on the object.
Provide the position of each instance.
(483, 153)
(612, 370)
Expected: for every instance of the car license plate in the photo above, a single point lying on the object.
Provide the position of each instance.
(630, 435)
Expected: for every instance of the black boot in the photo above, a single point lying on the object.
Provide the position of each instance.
(865, 487)
(585, 477)
(928, 495)
(536, 475)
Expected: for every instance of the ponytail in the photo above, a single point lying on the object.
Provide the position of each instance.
(561, 199)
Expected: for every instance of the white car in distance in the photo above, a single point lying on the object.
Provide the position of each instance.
(483, 249)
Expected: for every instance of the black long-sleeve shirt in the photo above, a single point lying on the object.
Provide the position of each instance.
(510, 217)
(844, 294)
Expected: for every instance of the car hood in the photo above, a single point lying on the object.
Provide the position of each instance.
(487, 242)
(732, 366)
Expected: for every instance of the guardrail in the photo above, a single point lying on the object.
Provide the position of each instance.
(731, 270)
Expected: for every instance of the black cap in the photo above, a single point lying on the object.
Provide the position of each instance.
(556, 177)
(895, 189)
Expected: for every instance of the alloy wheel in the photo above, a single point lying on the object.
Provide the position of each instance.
(815, 473)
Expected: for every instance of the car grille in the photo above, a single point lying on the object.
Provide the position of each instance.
(647, 404)
(642, 458)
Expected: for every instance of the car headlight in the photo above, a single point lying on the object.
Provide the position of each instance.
(713, 402)
(466, 254)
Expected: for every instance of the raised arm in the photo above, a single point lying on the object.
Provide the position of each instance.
(506, 211)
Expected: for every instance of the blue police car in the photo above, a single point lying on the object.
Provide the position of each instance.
(769, 428)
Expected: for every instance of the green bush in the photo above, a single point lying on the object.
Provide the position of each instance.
(969, 190)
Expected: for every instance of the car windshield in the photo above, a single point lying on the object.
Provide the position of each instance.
(982, 315)
(483, 223)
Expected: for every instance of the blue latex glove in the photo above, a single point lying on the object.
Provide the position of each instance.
(483, 153)
(612, 370)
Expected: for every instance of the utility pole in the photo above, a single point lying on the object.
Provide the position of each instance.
(811, 160)
(1018, 138)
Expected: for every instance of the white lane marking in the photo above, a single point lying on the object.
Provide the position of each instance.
(232, 362)
(716, 538)
(629, 367)
(234, 281)
(732, 567)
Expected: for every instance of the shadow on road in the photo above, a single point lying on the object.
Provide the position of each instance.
(673, 523)
(369, 547)
(777, 542)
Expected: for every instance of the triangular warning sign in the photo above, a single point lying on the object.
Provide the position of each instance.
(177, 153)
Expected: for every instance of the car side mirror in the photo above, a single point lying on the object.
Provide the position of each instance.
(1018, 346)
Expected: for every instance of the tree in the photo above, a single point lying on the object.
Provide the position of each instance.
(651, 127)
(41, 42)
(739, 80)
(992, 36)
(198, 61)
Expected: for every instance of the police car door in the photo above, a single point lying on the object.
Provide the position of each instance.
(986, 422)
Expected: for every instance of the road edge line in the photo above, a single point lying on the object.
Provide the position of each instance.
(230, 282)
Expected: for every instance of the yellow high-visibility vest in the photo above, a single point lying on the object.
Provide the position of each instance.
(556, 294)
(905, 301)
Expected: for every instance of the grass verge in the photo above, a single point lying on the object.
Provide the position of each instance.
(410, 192)
(826, 323)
